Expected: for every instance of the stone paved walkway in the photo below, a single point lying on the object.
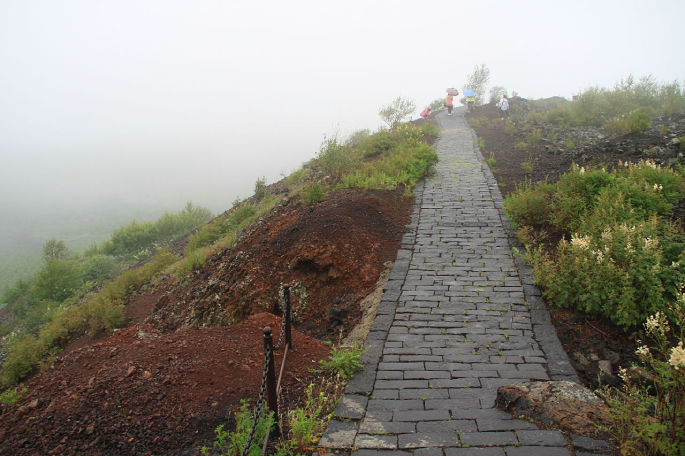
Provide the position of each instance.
(459, 318)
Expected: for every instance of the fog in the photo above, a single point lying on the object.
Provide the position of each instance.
(155, 103)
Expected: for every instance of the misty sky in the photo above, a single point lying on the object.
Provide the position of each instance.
(169, 101)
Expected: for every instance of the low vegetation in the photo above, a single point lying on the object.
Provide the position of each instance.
(627, 108)
(606, 242)
(303, 425)
(619, 255)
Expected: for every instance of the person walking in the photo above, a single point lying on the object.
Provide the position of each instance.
(449, 102)
(470, 102)
(503, 106)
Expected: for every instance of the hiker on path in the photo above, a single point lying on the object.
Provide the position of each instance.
(449, 102)
(449, 99)
(503, 106)
(470, 102)
(426, 113)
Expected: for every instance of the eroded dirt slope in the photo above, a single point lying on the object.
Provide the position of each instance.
(332, 254)
(164, 383)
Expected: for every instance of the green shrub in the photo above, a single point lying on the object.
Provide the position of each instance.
(527, 167)
(335, 159)
(57, 280)
(137, 237)
(312, 194)
(430, 130)
(624, 258)
(343, 362)
(98, 268)
(560, 117)
(11, 396)
(377, 144)
(521, 146)
(233, 443)
(307, 423)
(575, 195)
(510, 127)
(634, 122)
(569, 143)
(535, 137)
(298, 177)
(405, 166)
(260, 188)
(23, 358)
(617, 274)
(529, 205)
(102, 311)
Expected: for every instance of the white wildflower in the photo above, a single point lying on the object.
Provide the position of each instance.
(651, 243)
(623, 373)
(642, 351)
(582, 170)
(580, 241)
(677, 359)
(657, 324)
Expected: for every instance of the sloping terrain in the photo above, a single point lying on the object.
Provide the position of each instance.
(161, 385)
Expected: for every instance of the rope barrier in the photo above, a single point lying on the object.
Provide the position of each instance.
(269, 384)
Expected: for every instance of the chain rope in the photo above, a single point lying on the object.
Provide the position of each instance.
(286, 308)
(260, 403)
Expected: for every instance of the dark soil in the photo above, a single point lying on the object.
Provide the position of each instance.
(586, 338)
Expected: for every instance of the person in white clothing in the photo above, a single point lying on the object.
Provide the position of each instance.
(503, 106)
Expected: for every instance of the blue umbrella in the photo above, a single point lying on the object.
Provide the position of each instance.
(469, 93)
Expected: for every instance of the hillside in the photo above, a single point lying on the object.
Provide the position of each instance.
(190, 348)
(192, 344)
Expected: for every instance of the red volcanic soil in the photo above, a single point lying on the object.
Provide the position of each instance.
(193, 349)
(144, 392)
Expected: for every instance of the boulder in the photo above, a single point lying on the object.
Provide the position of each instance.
(563, 405)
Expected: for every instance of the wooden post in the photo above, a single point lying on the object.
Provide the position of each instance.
(272, 399)
(286, 315)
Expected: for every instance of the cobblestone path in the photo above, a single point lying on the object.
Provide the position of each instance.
(459, 318)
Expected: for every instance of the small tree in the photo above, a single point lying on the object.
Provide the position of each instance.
(477, 81)
(397, 111)
(496, 94)
(55, 250)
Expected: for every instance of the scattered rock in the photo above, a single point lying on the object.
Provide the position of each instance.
(565, 405)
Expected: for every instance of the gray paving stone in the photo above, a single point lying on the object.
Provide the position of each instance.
(428, 452)
(427, 439)
(376, 441)
(386, 427)
(537, 451)
(351, 406)
(587, 443)
(367, 452)
(421, 415)
(474, 451)
(339, 434)
(446, 426)
(496, 424)
(499, 438)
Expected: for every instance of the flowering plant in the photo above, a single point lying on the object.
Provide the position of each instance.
(648, 413)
